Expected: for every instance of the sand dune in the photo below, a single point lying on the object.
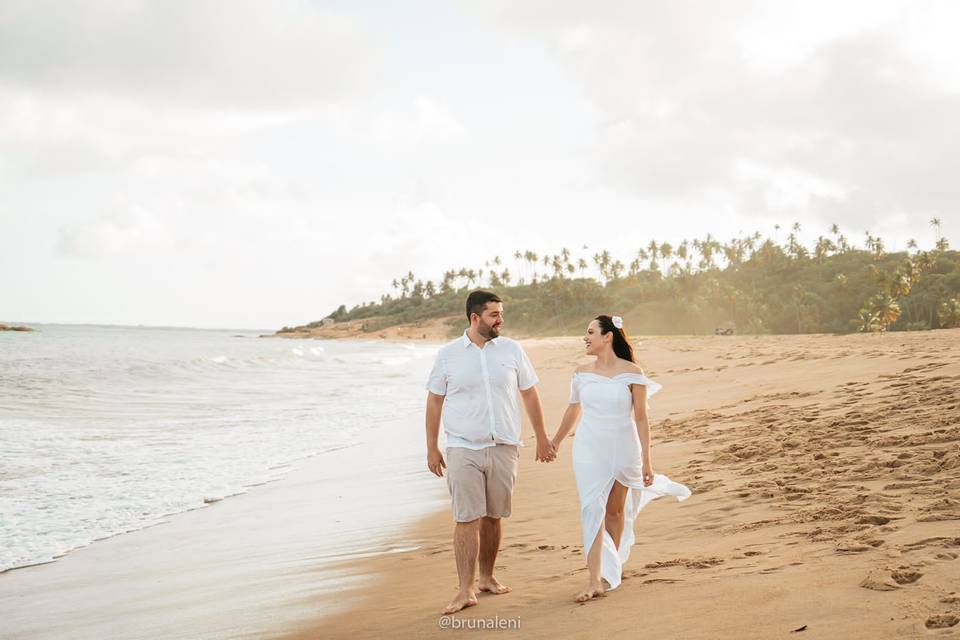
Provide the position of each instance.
(826, 501)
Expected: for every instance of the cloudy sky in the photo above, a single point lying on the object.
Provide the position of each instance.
(255, 164)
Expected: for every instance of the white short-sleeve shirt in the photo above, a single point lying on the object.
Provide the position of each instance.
(481, 387)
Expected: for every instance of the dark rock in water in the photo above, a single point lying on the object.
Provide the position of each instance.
(10, 327)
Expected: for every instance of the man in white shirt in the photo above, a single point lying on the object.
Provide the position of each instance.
(476, 383)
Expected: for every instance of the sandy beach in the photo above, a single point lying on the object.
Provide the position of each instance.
(826, 501)
(825, 473)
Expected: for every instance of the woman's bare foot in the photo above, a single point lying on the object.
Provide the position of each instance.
(462, 601)
(492, 585)
(594, 591)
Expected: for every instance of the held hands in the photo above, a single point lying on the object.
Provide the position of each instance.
(557, 439)
(546, 452)
(435, 462)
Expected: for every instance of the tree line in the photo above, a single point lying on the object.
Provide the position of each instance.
(750, 284)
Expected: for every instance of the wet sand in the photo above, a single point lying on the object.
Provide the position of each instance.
(249, 566)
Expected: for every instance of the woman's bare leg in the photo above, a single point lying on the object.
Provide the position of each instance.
(613, 524)
(595, 588)
(613, 519)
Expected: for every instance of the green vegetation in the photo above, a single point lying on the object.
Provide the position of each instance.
(748, 284)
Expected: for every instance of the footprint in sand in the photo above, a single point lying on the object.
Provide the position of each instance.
(690, 563)
(878, 580)
(668, 580)
(852, 547)
(906, 575)
(942, 621)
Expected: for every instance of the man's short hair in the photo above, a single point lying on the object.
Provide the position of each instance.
(477, 301)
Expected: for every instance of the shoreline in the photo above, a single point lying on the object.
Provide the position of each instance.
(792, 512)
(239, 567)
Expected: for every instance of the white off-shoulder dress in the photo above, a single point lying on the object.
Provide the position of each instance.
(607, 448)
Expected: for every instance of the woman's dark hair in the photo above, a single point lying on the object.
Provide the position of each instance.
(477, 301)
(621, 342)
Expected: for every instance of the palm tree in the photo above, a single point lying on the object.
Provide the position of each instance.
(867, 321)
(532, 258)
(582, 265)
(602, 260)
(557, 263)
(616, 269)
(949, 313)
(888, 311)
(682, 253)
(823, 248)
(666, 252)
(707, 246)
(935, 223)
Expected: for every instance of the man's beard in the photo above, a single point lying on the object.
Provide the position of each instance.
(488, 331)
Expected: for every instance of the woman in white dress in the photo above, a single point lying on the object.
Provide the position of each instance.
(611, 451)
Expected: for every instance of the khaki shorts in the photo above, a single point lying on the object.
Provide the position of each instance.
(481, 481)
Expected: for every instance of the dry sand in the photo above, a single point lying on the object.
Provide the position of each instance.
(826, 497)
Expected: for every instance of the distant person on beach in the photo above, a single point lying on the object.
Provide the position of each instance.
(476, 383)
(611, 453)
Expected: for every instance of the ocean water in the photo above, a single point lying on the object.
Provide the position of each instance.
(105, 430)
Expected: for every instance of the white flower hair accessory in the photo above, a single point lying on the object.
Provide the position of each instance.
(617, 322)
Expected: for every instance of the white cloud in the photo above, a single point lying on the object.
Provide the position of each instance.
(839, 111)
(172, 161)
(207, 53)
(126, 229)
(427, 121)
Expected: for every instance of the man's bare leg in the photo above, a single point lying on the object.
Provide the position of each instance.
(466, 545)
(490, 534)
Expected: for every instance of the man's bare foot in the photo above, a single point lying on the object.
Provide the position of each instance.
(492, 585)
(595, 591)
(462, 601)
